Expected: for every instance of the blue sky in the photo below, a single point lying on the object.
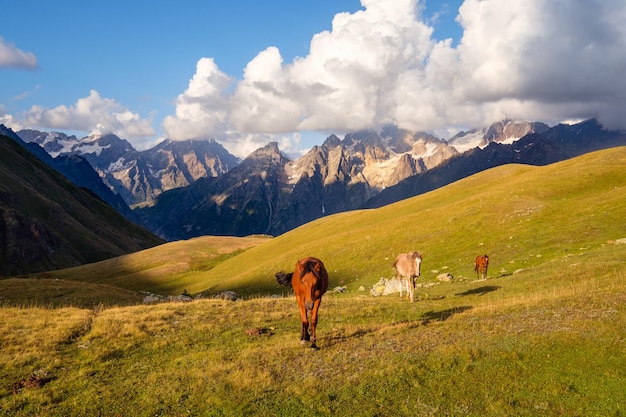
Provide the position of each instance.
(246, 72)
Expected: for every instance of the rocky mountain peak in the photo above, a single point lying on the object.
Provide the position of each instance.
(269, 154)
(505, 132)
(508, 131)
(270, 150)
(332, 141)
(54, 143)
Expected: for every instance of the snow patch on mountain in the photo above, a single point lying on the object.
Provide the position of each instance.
(63, 143)
(431, 149)
(504, 132)
(118, 165)
(93, 147)
(465, 141)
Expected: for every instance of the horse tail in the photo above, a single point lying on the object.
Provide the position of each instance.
(284, 278)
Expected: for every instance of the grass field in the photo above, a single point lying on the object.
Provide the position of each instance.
(542, 336)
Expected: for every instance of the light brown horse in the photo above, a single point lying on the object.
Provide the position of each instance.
(482, 263)
(408, 265)
(309, 281)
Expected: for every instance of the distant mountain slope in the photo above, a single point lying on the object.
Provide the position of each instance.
(364, 170)
(241, 202)
(186, 189)
(268, 193)
(46, 222)
(504, 132)
(555, 144)
(78, 170)
(139, 176)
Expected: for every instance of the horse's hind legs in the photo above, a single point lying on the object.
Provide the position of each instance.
(402, 283)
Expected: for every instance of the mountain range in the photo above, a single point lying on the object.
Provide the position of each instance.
(552, 145)
(139, 176)
(181, 190)
(268, 193)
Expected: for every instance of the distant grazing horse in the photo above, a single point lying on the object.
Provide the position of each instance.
(482, 263)
(408, 265)
(309, 281)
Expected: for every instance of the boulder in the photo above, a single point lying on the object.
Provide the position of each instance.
(445, 277)
(151, 298)
(386, 286)
(227, 295)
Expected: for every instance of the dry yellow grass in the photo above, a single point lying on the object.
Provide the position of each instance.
(489, 348)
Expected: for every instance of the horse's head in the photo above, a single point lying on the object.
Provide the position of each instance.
(313, 280)
(418, 262)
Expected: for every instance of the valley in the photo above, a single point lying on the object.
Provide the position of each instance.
(543, 333)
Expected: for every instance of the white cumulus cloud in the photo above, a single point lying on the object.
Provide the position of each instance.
(13, 57)
(93, 114)
(202, 110)
(544, 60)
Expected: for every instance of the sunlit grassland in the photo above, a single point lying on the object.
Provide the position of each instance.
(543, 335)
(486, 348)
(521, 216)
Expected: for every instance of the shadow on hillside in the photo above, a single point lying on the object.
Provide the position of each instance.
(442, 315)
(340, 336)
(480, 291)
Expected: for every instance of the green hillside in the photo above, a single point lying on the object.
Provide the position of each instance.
(542, 336)
(524, 217)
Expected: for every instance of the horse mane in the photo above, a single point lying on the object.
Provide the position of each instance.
(284, 278)
(309, 266)
(306, 266)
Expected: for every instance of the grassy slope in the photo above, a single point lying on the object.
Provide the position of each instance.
(547, 340)
(168, 269)
(522, 216)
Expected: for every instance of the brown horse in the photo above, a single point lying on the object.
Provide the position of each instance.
(482, 263)
(309, 284)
